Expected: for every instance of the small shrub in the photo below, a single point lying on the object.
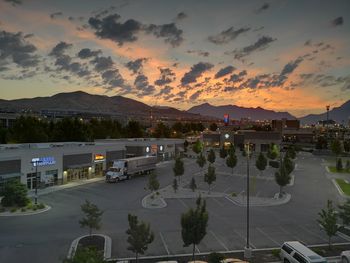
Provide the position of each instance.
(274, 164)
(233, 194)
(41, 206)
(215, 257)
(319, 251)
(29, 206)
(276, 253)
(35, 207)
(14, 209)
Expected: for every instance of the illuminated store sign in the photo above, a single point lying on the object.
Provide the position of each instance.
(43, 161)
(99, 158)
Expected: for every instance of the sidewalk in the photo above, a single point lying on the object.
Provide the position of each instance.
(55, 188)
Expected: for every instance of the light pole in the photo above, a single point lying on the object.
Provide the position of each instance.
(247, 249)
(35, 163)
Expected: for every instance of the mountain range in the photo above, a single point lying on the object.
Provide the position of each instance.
(80, 101)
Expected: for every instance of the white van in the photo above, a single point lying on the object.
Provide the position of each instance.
(295, 252)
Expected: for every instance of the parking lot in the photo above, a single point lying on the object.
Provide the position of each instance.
(46, 237)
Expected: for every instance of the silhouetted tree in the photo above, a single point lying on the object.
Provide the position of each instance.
(92, 219)
(210, 176)
(211, 156)
(261, 162)
(201, 161)
(328, 221)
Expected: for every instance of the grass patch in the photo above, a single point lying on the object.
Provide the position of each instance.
(345, 187)
(333, 169)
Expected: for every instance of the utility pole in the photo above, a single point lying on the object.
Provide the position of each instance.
(35, 163)
(327, 108)
(247, 249)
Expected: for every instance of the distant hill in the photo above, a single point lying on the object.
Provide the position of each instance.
(338, 114)
(237, 112)
(84, 102)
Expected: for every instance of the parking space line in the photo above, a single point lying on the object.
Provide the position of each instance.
(197, 249)
(268, 236)
(182, 202)
(288, 233)
(219, 241)
(313, 233)
(226, 190)
(217, 201)
(164, 244)
(245, 240)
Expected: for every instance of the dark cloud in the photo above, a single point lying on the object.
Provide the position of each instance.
(169, 32)
(136, 65)
(59, 49)
(234, 78)
(264, 7)
(109, 27)
(165, 91)
(88, 53)
(227, 35)
(56, 14)
(290, 67)
(181, 16)
(196, 71)
(15, 48)
(102, 63)
(113, 79)
(195, 95)
(14, 2)
(166, 76)
(224, 71)
(260, 44)
(337, 21)
(198, 52)
(142, 85)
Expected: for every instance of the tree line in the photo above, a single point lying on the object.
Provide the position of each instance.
(27, 129)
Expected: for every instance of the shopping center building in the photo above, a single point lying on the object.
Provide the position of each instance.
(61, 163)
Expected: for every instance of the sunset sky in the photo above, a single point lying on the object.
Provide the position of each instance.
(282, 55)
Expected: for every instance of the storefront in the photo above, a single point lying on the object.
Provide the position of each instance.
(99, 160)
(77, 167)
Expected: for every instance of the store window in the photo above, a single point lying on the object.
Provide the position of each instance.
(32, 180)
(50, 178)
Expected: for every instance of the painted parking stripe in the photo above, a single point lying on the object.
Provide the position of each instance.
(197, 249)
(217, 201)
(164, 244)
(268, 236)
(242, 237)
(295, 237)
(313, 233)
(182, 202)
(219, 241)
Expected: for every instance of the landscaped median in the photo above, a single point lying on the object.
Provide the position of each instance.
(29, 209)
(343, 186)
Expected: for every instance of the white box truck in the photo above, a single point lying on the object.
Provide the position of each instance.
(124, 168)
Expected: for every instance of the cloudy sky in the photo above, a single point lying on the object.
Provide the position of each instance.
(280, 55)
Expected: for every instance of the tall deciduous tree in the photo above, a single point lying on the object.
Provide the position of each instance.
(153, 183)
(231, 161)
(14, 194)
(178, 168)
(336, 149)
(139, 236)
(93, 215)
(328, 221)
(211, 156)
(197, 147)
(272, 152)
(261, 162)
(339, 165)
(201, 161)
(194, 225)
(282, 178)
(288, 164)
(210, 176)
(175, 185)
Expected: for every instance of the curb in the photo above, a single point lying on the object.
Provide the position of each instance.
(340, 191)
(284, 201)
(8, 214)
(145, 205)
(107, 251)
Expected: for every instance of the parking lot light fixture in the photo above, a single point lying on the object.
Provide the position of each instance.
(35, 162)
(247, 249)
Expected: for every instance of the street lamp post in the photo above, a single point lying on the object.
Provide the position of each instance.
(35, 163)
(247, 249)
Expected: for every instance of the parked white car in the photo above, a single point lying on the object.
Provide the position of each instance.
(345, 256)
(295, 252)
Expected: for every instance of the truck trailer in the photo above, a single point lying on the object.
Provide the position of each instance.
(125, 168)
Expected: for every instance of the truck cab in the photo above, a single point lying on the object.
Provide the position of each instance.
(117, 172)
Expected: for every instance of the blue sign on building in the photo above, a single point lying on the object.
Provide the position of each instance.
(43, 161)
